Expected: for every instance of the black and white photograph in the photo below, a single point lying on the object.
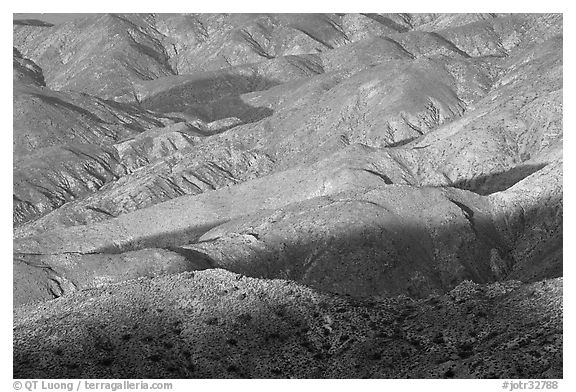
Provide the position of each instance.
(287, 196)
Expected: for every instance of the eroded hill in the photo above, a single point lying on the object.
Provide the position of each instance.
(370, 163)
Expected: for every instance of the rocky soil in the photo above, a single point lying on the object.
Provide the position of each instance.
(304, 196)
(218, 324)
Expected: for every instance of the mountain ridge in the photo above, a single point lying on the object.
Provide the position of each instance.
(388, 166)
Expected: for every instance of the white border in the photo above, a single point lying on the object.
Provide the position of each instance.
(30, 6)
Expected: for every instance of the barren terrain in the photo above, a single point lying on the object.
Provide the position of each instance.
(286, 195)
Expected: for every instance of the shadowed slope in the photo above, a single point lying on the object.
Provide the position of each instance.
(215, 324)
(391, 239)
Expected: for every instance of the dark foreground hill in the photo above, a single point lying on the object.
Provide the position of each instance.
(218, 324)
(335, 195)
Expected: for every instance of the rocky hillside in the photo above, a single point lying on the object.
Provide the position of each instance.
(257, 195)
(218, 324)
